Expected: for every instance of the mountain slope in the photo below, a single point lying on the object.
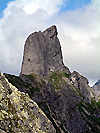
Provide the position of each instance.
(65, 98)
(57, 97)
(62, 102)
(18, 113)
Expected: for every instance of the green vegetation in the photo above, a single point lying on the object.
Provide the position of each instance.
(67, 75)
(19, 83)
(58, 75)
(79, 92)
(15, 80)
(57, 78)
(34, 78)
(91, 115)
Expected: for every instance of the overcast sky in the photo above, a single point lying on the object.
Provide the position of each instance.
(78, 24)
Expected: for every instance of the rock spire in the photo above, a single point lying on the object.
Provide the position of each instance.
(42, 53)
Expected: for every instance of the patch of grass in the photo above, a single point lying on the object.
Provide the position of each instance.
(79, 92)
(19, 83)
(33, 77)
(67, 75)
(56, 79)
(15, 80)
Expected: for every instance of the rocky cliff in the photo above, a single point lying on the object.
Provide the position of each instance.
(96, 90)
(42, 53)
(65, 98)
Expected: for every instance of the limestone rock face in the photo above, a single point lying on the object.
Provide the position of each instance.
(81, 83)
(96, 90)
(20, 114)
(42, 53)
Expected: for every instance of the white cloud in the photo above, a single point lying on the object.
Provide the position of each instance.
(30, 7)
(79, 33)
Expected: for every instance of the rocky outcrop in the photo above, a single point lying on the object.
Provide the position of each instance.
(62, 102)
(64, 97)
(96, 90)
(18, 113)
(81, 83)
(57, 98)
(42, 53)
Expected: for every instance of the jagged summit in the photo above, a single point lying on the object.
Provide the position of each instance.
(42, 53)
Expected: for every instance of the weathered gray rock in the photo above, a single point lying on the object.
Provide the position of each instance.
(96, 90)
(42, 53)
(19, 113)
(81, 83)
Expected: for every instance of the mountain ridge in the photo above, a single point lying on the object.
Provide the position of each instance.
(65, 98)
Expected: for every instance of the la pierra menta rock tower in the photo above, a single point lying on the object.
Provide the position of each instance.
(42, 53)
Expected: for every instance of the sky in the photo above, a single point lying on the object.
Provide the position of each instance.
(78, 25)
